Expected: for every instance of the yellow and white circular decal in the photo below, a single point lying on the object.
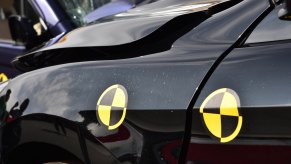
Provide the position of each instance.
(220, 111)
(3, 77)
(111, 106)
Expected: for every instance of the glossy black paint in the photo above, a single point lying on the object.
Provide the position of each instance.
(260, 75)
(270, 29)
(160, 87)
(262, 85)
(43, 130)
(140, 34)
(132, 25)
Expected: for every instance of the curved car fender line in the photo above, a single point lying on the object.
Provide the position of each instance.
(131, 28)
(142, 25)
(159, 40)
(55, 131)
(130, 40)
(127, 34)
(125, 37)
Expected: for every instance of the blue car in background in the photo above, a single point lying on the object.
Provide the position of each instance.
(26, 25)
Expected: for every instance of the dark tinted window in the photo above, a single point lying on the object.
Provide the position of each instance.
(271, 29)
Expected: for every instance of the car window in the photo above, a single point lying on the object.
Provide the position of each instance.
(17, 7)
(86, 11)
(77, 9)
(271, 29)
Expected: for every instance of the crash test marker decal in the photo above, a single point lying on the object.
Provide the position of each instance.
(220, 112)
(3, 77)
(111, 106)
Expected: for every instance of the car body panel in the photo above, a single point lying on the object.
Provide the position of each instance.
(260, 76)
(107, 48)
(154, 125)
(51, 131)
(141, 25)
(262, 86)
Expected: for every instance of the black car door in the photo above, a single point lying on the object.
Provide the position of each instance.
(243, 113)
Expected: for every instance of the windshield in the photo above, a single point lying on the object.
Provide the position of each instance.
(86, 11)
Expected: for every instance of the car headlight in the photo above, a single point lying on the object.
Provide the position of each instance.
(3, 85)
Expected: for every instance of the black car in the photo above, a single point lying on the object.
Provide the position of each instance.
(207, 85)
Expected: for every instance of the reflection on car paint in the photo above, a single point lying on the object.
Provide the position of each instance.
(15, 112)
(124, 141)
(159, 87)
